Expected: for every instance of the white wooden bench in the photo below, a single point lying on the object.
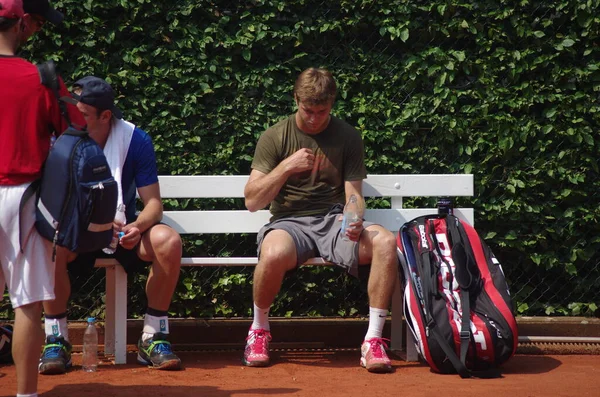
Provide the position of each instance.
(396, 187)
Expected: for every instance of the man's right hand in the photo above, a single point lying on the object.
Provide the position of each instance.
(301, 161)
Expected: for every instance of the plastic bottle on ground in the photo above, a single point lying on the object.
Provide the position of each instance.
(90, 347)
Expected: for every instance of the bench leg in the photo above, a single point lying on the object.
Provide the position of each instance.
(411, 349)
(396, 334)
(115, 332)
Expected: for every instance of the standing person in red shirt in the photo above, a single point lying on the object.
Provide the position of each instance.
(27, 110)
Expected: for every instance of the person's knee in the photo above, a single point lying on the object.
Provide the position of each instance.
(385, 242)
(278, 249)
(166, 242)
(63, 258)
(384, 245)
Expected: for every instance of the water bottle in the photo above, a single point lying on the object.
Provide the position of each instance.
(445, 206)
(350, 215)
(119, 216)
(90, 347)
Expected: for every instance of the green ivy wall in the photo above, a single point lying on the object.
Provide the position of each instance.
(506, 90)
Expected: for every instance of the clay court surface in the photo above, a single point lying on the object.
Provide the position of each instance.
(316, 374)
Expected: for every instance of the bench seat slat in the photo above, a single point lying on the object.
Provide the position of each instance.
(242, 221)
(214, 261)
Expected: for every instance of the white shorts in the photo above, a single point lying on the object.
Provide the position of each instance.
(29, 275)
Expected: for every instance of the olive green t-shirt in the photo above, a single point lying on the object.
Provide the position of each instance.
(339, 157)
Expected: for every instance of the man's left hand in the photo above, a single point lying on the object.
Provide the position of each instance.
(354, 229)
(131, 238)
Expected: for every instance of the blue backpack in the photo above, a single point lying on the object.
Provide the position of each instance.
(77, 196)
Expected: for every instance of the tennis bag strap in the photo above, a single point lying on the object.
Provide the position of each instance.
(467, 273)
(429, 290)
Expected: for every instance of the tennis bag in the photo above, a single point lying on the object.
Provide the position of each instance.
(77, 198)
(456, 299)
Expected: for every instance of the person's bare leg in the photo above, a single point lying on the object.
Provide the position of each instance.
(162, 246)
(26, 346)
(62, 284)
(277, 256)
(378, 247)
(55, 321)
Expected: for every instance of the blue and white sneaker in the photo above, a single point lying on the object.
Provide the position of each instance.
(156, 352)
(56, 356)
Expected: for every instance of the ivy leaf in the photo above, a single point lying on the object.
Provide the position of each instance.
(404, 35)
(246, 54)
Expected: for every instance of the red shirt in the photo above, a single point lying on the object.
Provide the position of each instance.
(29, 112)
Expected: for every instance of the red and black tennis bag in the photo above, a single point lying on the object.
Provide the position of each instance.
(456, 299)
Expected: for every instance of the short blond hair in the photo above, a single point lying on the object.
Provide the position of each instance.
(315, 86)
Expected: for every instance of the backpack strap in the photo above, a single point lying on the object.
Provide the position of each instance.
(27, 194)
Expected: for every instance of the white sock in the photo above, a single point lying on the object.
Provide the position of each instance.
(27, 395)
(154, 324)
(56, 327)
(377, 319)
(261, 318)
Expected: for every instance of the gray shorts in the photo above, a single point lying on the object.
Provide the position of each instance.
(316, 236)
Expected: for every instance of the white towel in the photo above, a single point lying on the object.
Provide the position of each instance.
(116, 149)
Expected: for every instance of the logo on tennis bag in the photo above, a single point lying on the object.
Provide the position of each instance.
(456, 299)
(78, 194)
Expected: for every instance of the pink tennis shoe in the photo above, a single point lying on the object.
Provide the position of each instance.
(257, 348)
(373, 356)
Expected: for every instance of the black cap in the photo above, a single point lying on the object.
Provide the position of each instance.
(42, 7)
(95, 92)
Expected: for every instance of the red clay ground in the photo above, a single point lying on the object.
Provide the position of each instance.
(316, 374)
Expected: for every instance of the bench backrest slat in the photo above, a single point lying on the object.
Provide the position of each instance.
(232, 186)
(241, 221)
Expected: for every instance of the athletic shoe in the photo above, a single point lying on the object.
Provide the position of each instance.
(56, 356)
(373, 356)
(257, 348)
(156, 352)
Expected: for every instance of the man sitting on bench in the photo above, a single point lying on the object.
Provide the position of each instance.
(145, 241)
(307, 166)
